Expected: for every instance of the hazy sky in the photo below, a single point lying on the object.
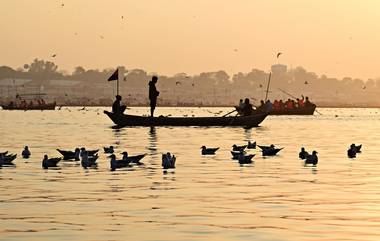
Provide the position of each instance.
(334, 37)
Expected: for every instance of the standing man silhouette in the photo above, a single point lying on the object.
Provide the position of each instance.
(153, 94)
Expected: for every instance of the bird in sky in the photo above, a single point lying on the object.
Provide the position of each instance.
(278, 54)
(177, 83)
(306, 82)
(54, 55)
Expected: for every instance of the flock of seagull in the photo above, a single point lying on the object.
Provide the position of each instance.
(88, 158)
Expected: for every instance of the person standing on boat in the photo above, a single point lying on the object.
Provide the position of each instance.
(117, 107)
(153, 94)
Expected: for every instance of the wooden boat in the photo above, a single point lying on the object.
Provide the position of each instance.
(122, 120)
(308, 110)
(49, 106)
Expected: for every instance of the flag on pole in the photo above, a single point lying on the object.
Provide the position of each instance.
(114, 76)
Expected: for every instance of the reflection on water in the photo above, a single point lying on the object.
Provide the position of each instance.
(205, 197)
(152, 140)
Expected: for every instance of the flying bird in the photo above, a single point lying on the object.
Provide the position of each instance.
(278, 54)
(177, 83)
(261, 86)
(54, 55)
(101, 36)
(306, 82)
(364, 87)
(62, 5)
(235, 50)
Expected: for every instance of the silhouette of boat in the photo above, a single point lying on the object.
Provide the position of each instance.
(28, 98)
(122, 120)
(49, 106)
(307, 110)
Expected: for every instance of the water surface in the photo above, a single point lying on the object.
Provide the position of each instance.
(204, 198)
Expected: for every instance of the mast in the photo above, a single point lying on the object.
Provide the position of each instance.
(266, 95)
(117, 82)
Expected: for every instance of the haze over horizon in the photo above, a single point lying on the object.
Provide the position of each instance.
(337, 38)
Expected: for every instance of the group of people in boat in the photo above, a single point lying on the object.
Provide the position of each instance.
(288, 104)
(153, 95)
(22, 103)
(246, 108)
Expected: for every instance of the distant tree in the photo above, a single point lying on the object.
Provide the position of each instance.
(40, 66)
(79, 70)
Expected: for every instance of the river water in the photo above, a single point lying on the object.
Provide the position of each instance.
(204, 198)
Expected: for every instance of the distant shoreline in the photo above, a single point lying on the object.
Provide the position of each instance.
(224, 106)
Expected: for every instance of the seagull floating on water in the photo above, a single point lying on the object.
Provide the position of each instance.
(116, 164)
(270, 150)
(133, 159)
(238, 148)
(245, 159)
(70, 155)
(108, 150)
(50, 162)
(236, 154)
(89, 161)
(208, 151)
(26, 152)
(251, 145)
(168, 161)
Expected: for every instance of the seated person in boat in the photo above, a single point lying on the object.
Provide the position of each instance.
(23, 104)
(281, 105)
(308, 103)
(276, 104)
(241, 104)
(117, 107)
(268, 105)
(289, 104)
(240, 107)
(301, 102)
(261, 106)
(247, 109)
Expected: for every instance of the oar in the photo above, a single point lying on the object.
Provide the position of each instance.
(229, 113)
(318, 112)
(287, 93)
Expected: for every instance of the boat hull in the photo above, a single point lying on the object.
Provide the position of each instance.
(122, 120)
(297, 111)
